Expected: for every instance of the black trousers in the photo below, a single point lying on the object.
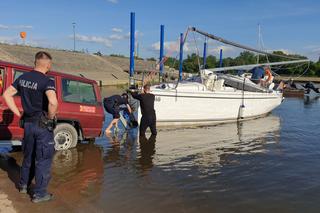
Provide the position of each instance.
(148, 122)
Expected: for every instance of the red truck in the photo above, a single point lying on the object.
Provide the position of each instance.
(80, 114)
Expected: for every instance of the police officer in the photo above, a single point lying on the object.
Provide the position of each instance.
(148, 118)
(39, 103)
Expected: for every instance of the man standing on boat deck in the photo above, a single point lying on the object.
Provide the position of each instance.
(148, 118)
(39, 103)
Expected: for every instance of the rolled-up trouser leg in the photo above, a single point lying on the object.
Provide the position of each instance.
(44, 155)
(28, 149)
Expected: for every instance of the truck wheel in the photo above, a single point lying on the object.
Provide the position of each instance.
(65, 136)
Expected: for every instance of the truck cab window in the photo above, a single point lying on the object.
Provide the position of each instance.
(16, 75)
(78, 92)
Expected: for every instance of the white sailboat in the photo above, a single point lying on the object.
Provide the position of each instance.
(215, 98)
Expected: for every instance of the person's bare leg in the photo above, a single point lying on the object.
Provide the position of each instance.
(113, 122)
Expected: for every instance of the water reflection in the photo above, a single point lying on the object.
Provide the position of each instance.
(311, 100)
(147, 152)
(208, 146)
(120, 148)
(180, 149)
(78, 173)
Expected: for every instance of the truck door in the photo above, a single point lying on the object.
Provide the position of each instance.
(6, 116)
(9, 123)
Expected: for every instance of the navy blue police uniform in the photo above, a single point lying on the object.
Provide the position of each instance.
(112, 105)
(38, 142)
(148, 118)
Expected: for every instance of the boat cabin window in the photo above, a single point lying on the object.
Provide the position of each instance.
(78, 92)
(1, 80)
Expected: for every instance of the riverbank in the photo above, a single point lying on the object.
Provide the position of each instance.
(298, 79)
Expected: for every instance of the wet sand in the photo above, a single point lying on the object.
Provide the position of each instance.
(72, 174)
(6, 204)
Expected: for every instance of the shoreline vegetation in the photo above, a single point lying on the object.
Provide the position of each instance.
(190, 64)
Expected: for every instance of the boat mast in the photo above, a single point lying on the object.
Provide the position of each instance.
(259, 42)
(205, 53)
(250, 66)
(181, 56)
(222, 40)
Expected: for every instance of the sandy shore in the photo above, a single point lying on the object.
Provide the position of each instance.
(6, 204)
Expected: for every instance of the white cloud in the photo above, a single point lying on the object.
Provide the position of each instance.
(95, 39)
(18, 27)
(9, 40)
(4, 27)
(137, 34)
(22, 27)
(113, 1)
(312, 51)
(173, 47)
(117, 37)
(313, 48)
(169, 46)
(117, 30)
(227, 50)
(17, 40)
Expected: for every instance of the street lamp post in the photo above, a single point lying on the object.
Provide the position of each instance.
(74, 36)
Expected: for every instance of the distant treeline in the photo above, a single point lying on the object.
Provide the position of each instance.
(190, 64)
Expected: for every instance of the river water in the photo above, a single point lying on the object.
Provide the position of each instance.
(271, 164)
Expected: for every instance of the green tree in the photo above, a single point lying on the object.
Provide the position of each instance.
(211, 62)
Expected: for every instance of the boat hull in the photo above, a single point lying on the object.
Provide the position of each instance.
(174, 108)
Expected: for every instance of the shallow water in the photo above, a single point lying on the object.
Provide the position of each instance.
(270, 164)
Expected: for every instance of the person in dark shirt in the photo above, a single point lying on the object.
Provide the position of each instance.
(258, 74)
(39, 103)
(148, 118)
(112, 105)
